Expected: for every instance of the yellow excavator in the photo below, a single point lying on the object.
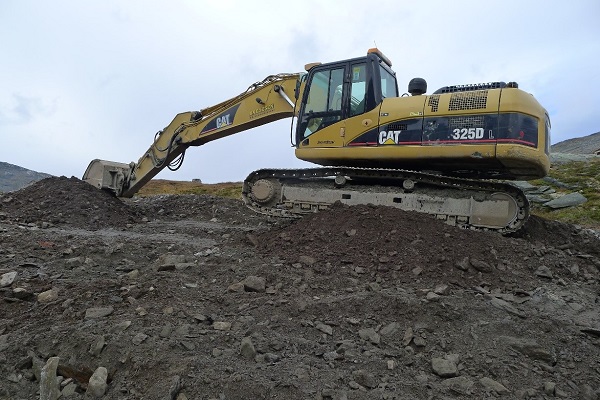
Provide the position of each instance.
(446, 154)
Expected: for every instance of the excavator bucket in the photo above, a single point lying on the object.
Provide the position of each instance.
(107, 175)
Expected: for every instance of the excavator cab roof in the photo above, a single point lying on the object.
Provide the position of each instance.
(373, 50)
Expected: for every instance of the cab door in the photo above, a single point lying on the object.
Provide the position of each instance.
(322, 104)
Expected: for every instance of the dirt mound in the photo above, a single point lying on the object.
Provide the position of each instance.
(378, 240)
(66, 201)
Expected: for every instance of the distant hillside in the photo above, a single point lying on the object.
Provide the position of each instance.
(581, 145)
(13, 177)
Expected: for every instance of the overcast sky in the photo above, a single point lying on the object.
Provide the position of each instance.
(96, 79)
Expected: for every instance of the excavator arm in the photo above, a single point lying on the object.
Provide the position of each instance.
(263, 102)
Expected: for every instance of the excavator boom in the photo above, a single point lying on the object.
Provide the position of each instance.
(263, 102)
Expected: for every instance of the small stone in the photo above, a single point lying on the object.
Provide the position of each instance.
(444, 368)
(391, 364)
(417, 271)
(455, 358)
(363, 378)
(549, 388)
(48, 384)
(568, 200)
(370, 335)
(442, 290)
(481, 266)
(463, 264)
(48, 296)
(431, 296)
(97, 384)
(493, 386)
(389, 329)
(354, 385)
(458, 385)
(188, 345)
(141, 311)
(22, 294)
(529, 348)
(97, 346)
(247, 349)
(236, 287)
(68, 390)
(168, 261)
(351, 232)
(133, 274)
(120, 327)
(98, 312)
(36, 364)
(408, 336)
(175, 388)
(217, 352)
(324, 328)
(139, 338)
(166, 331)
(307, 260)
(330, 394)
(270, 358)
(252, 239)
(7, 279)
(544, 272)
(221, 325)
(255, 284)
(506, 306)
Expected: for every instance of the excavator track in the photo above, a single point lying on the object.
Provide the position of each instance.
(469, 204)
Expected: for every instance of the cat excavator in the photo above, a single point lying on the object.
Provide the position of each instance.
(448, 154)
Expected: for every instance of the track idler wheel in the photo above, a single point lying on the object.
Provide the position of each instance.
(266, 192)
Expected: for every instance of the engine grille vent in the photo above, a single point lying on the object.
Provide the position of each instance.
(468, 100)
(477, 86)
(433, 102)
(397, 127)
(476, 121)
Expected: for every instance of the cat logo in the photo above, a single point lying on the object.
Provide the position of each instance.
(223, 121)
(389, 137)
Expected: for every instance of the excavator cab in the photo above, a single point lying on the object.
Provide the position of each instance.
(337, 92)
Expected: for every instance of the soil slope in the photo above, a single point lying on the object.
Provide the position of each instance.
(196, 297)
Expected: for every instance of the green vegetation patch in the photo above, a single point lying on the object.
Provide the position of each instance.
(583, 177)
(155, 187)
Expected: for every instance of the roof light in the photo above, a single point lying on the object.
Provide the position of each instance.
(375, 50)
(308, 66)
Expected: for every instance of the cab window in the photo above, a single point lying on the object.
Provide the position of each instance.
(358, 89)
(324, 102)
(388, 83)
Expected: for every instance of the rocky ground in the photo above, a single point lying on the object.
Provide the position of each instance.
(196, 297)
